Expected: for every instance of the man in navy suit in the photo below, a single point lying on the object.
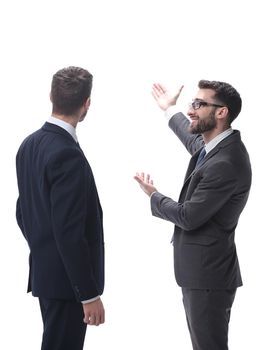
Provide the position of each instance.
(60, 216)
(214, 193)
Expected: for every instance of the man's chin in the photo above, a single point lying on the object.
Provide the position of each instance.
(192, 130)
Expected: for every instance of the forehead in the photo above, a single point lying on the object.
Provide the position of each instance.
(205, 94)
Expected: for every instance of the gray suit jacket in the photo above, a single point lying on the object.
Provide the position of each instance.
(206, 214)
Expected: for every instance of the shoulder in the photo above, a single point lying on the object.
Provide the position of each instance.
(67, 154)
(220, 167)
(66, 163)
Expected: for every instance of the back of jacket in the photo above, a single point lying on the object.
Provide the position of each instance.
(59, 213)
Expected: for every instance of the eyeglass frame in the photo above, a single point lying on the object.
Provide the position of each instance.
(201, 103)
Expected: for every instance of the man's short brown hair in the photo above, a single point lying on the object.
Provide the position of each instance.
(70, 89)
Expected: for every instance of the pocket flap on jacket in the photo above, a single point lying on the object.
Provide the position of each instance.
(200, 240)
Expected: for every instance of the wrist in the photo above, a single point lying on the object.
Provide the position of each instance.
(151, 194)
(171, 111)
(90, 300)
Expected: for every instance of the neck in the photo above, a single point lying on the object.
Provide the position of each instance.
(210, 135)
(72, 120)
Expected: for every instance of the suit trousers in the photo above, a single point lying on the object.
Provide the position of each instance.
(208, 315)
(64, 328)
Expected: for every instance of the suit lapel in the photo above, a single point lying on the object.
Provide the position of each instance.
(235, 137)
(192, 164)
(191, 168)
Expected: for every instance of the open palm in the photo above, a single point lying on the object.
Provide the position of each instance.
(163, 98)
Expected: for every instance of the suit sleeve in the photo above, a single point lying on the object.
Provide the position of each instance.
(214, 189)
(69, 178)
(19, 216)
(179, 125)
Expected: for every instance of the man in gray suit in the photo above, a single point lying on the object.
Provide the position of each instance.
(214, 193)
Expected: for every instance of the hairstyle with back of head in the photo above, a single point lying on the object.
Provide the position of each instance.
(226, 95)
(70, 89)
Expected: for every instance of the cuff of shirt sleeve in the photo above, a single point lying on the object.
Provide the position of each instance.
(171, 111)
(90, 300)
(152, 194)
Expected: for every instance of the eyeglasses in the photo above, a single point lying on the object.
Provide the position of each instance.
(198, 104)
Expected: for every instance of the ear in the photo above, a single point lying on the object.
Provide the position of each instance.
(50, 96)
(88, 102)
(222, 113)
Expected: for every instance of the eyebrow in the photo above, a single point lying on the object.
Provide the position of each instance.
(199, 99)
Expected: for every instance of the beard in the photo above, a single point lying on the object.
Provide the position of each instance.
(204, 125)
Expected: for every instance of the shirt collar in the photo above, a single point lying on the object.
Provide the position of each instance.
(64, 125)
(212, 144)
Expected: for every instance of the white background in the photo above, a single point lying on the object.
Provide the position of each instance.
(128, 45)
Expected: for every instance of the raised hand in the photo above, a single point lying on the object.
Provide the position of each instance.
(145, 183)
(163, 98)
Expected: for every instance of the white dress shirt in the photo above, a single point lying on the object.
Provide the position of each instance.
(64, 125)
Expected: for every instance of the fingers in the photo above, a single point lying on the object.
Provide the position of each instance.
(141, 178)
(179, 91)
(95, 319)
(149, 180)
(146, 183)
(158, 90)
(94, 313)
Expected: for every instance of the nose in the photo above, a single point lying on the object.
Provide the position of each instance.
(190, 111)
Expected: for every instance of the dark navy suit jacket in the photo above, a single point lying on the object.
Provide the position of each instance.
(59, 213)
